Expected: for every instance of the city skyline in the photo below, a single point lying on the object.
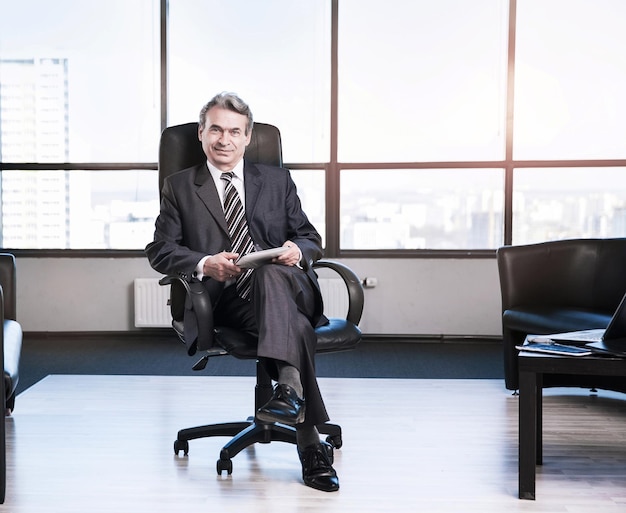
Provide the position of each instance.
(438, 209)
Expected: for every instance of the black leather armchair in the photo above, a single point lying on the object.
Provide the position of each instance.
(10, 351)
(559, 286)
(12, 331)
(179, 149)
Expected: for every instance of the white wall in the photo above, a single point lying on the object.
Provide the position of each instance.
(413, 296)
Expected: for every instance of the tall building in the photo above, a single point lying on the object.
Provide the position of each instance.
(34, 128)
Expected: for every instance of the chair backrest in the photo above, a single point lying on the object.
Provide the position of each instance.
(180, 148)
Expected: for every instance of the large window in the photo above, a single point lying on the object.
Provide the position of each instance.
(79, 83)
(422, 81)
(414, 128)
(565, 203)
(569, 105)
(570, 80)
(80, 80)
(419, 85)
(273, 53)
(421, 208)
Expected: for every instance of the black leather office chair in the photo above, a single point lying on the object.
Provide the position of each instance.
(559, 286)
(179, 149)
(10, 351)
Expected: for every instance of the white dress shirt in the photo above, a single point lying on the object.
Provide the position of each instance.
(237, 181)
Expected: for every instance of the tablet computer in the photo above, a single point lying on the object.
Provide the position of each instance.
(259, 258)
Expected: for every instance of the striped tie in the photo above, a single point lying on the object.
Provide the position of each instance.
(238, 229)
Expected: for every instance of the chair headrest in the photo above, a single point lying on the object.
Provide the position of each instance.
(180, 148)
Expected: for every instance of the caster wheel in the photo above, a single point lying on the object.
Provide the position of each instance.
(335, 441)
(181, 445)
(226, 465)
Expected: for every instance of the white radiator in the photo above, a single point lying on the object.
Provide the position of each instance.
(152, 310)
(335, 297)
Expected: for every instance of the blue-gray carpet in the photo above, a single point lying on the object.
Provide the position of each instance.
(162, 354)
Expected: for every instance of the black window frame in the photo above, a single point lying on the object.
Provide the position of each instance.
(333, 167)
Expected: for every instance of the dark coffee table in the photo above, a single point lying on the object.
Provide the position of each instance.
(532, 367)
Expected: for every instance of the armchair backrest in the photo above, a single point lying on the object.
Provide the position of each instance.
(180, 148)
(8, 282)
(584, 273)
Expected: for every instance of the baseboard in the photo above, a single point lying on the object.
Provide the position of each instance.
(146, 332)
(169, 332)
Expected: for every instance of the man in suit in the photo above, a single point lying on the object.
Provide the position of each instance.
(281, 301)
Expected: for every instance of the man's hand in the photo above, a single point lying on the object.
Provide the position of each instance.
(290, 257)
(220, 267)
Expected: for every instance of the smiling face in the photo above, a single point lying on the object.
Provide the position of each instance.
(224, 137)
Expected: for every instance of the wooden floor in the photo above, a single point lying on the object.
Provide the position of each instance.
(79, 444)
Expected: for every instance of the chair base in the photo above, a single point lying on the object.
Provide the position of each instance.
(251, 431)
(247, 433)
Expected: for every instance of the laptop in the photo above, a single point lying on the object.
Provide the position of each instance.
(611, 340)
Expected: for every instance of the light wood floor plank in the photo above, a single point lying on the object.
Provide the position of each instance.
(105, 443)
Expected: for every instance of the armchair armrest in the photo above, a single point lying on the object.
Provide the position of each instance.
(8, 281)
(3, 462)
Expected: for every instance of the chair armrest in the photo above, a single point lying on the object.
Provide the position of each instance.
(353, 284)
(195, 298)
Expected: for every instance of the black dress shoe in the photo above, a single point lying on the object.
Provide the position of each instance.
(317, 468)
(285, 406)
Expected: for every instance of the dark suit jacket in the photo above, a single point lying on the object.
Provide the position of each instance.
(191, 223)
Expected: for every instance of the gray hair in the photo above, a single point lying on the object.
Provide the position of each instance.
(229, 101)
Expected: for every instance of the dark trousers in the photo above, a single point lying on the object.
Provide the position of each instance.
(282, 313)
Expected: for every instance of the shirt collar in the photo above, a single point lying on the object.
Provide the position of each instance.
(217, 174)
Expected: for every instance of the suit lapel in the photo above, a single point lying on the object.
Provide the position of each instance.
(208, 195)
(253, 183)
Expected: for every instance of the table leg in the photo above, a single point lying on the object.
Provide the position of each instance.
(539, 415)
(528, 424)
